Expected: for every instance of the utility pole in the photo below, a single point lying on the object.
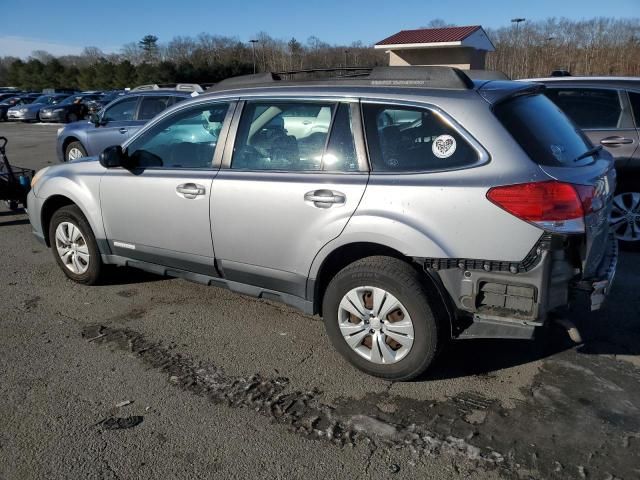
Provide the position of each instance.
(345, 58)
(517, 21)
(253, 50)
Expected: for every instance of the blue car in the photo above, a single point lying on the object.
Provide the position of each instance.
(118, 121)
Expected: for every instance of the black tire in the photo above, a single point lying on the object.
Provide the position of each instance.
(407, 285)
(71, 146)
(73, 215)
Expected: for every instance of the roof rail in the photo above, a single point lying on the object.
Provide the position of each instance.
(427, 76)
(181, 87)
(486, 75)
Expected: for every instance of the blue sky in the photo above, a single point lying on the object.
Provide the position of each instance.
(66, 26)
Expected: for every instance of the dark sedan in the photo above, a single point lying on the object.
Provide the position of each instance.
(7, 103)
(70, 110)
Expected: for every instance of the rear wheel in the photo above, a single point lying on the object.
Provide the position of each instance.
(74, 246)
(625, 218)
(377, 315)
(74, 151)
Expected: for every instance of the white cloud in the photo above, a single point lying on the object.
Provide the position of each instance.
(23, 46)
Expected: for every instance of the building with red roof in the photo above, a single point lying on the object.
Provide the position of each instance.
(461, 47)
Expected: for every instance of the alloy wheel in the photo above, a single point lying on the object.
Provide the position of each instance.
(74, 154)
(72, 248)
(376, 325)
(625, 216)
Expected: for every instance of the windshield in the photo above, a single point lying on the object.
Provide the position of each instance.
(43, 99)
(69, 100)
(109, 97)
(544, 132)
(10, 101)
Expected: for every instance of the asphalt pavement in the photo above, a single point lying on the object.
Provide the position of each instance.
(150, 377)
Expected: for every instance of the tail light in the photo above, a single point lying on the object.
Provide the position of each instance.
(553, 206)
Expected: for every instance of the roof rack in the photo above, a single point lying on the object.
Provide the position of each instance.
(427, 77)
(181, 87)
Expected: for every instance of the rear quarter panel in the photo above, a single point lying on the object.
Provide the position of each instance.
(446, 214)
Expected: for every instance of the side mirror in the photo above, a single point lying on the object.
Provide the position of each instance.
(113, 157)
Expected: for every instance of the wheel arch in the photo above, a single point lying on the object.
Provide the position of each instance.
(55, 202)
(67, 141)
(340, 257)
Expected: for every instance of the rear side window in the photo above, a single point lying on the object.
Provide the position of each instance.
(589, 108)
(543, 131)
(152, 106)
(295, 136)
(410, 139)
(121, 111)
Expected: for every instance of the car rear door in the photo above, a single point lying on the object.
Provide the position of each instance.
(604, 115)
(283, 193)
(116, 122)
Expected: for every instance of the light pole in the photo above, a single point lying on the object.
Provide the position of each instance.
(345, 58)
(517, 21)
(253, 51)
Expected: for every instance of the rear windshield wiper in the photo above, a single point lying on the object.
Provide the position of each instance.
(588, 153)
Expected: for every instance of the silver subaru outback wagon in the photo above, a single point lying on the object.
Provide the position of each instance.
(407, 207)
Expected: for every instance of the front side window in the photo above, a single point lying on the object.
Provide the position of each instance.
(150, 106)
(412, 139)
(589, 108)
(121, 111)
(187, 139)
(294, 136)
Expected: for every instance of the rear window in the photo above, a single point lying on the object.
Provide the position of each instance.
(543, 131)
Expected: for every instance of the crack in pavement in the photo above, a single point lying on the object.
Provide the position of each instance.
(564, 417)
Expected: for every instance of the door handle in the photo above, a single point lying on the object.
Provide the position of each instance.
(123, 130)
(615, 141)
(325, 198)
(190, 190)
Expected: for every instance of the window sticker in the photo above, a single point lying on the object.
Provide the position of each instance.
(444, 146)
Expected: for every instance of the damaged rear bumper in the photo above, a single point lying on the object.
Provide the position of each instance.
(511, 300)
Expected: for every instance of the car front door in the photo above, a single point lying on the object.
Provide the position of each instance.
(115, 125)
(283, 194)
(604, 115)
(157, 210)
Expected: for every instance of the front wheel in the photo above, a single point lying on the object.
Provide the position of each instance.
(377, 315)
(74, 151)
(74, 246)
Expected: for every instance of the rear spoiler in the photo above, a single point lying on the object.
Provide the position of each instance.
(497, 91)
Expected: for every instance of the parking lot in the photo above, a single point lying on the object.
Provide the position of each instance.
(212, 382)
